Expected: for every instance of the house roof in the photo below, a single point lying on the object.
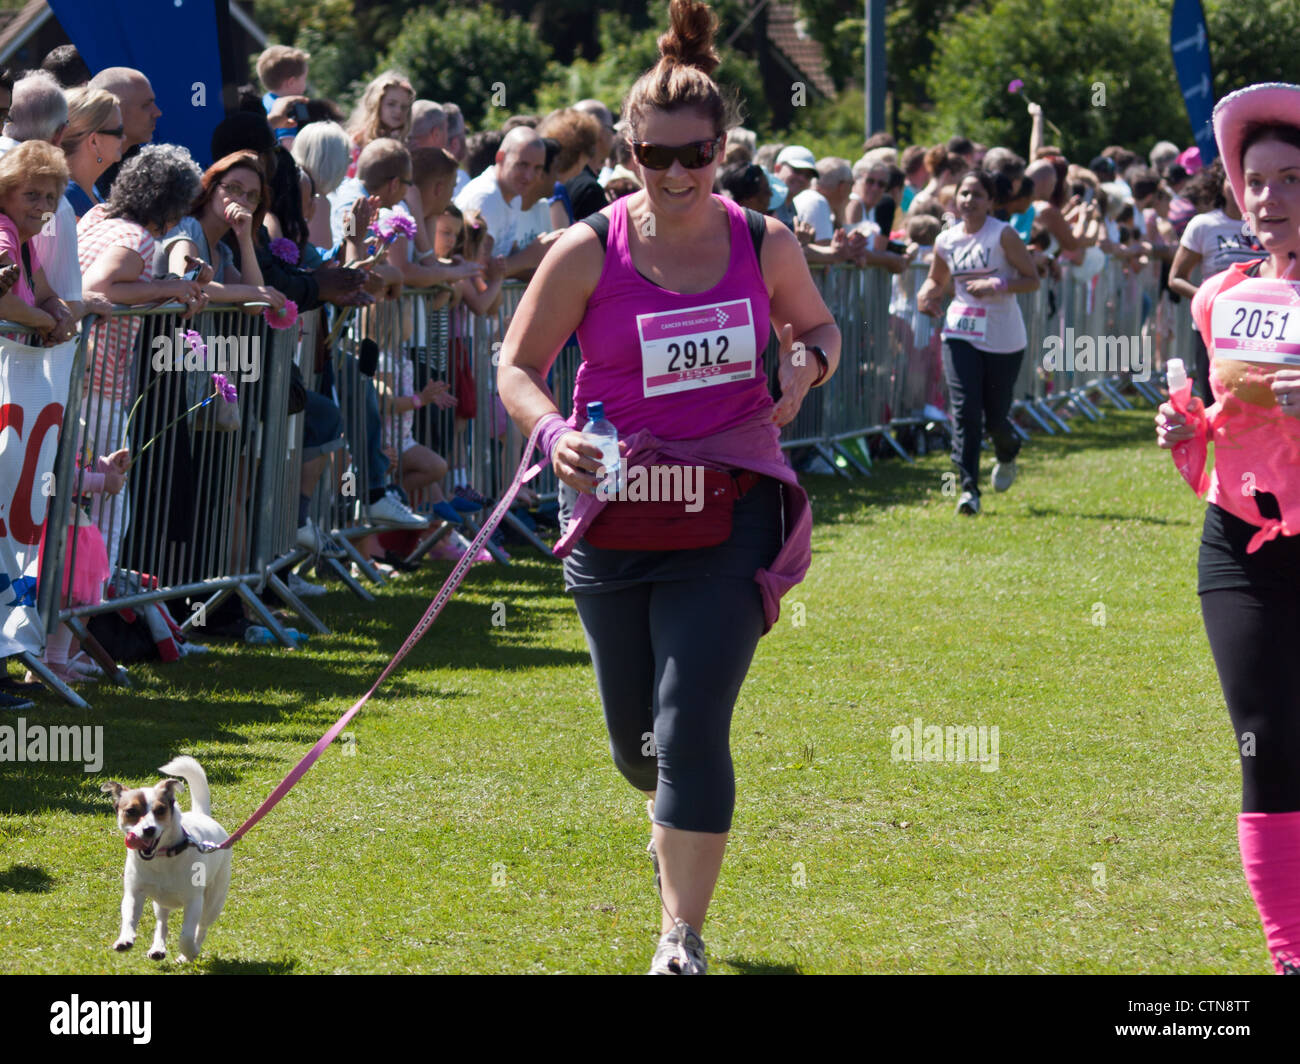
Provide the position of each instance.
(17, 26)
(803, 53)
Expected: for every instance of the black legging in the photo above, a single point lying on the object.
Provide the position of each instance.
(1254, 633)
(980, 389)
(670, 658)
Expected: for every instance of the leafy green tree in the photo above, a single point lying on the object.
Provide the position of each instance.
(627, 52)
(490, 66)
(1252, 41)
(1101, 69)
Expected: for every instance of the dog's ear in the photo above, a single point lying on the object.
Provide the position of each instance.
(114, 788)
(166, 789)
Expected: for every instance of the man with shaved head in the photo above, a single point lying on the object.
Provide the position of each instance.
(140, 113)
(585, 191)
(428, 125)
(496, 192)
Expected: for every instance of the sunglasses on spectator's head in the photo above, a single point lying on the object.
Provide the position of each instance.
(693, 156)
(118, 132)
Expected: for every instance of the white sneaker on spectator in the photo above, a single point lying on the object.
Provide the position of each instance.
(305, 588)
(391, 512)
(309, 537)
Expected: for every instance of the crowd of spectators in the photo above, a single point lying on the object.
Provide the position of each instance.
(93, 214)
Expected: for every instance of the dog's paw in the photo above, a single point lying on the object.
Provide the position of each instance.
(156, 954)
(123, 944)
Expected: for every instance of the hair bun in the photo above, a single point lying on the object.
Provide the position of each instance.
(689, 41)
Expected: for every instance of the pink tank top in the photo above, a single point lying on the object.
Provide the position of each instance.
(682, 366)
(1256, 449)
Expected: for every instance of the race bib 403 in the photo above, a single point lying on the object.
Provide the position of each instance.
(1258, 321)
(965, 322)
(697, 347)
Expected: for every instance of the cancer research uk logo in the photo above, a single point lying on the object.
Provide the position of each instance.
(954, 743)
(228, 355)
(1098, 354)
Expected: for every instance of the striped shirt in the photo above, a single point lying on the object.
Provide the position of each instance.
(108, 364)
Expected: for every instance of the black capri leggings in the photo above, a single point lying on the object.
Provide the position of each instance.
(670, 657)
(1253, 634)
(981, 387)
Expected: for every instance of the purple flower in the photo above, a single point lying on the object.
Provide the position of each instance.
(196, 344)
(395, 225)
(224, 388)
(285, 250)
(1016, 85)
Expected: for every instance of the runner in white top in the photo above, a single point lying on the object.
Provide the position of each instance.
(983, 332)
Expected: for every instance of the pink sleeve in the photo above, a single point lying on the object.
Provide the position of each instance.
(9, 246)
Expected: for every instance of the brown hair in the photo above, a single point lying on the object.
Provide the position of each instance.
(431, 164)
(577, 132)
(382, 160)
(214, 174)
(365, 124)
(683, 76)
(279, 63)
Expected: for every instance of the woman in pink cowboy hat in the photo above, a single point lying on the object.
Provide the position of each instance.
(1249, 563)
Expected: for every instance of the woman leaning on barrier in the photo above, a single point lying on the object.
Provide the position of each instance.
(1248, 568)
(115, 244)
(679, 276)
(983, 331)
(233, 199)
(32, 178)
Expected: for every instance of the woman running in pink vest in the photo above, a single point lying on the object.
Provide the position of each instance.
(673, 293)
(1248, 571)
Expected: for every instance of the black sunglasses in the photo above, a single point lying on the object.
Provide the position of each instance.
(692, 156)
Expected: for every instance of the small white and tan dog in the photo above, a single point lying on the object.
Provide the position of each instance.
(164, 862)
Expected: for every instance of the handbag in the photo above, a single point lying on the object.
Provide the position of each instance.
(667, 524)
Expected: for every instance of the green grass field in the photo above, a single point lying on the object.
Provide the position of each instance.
(479, 826)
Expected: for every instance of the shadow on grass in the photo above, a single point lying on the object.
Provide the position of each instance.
(25, 879)
(745, 966)
(221, 966)
(227, 697)
(1050, 511)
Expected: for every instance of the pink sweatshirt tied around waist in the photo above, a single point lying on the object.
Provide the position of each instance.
(753, 445)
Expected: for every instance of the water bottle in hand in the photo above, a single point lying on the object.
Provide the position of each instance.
(602, 434)
(1189, 455)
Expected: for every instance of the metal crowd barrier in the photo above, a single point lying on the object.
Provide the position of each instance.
(210, 509)
(209, 505)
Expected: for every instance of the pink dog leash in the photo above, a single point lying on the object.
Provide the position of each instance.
(440, 600)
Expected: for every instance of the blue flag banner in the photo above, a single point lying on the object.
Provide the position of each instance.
(174, 43)
(1190, 44)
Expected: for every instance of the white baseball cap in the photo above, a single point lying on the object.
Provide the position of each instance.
(797, 158)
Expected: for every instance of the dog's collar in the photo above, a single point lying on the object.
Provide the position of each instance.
(186, 842)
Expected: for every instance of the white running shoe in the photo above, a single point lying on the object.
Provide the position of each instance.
(309, 537)
(305, 588)
(391, 512)
(968, 504)
(680, 952)
(1004, 475)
